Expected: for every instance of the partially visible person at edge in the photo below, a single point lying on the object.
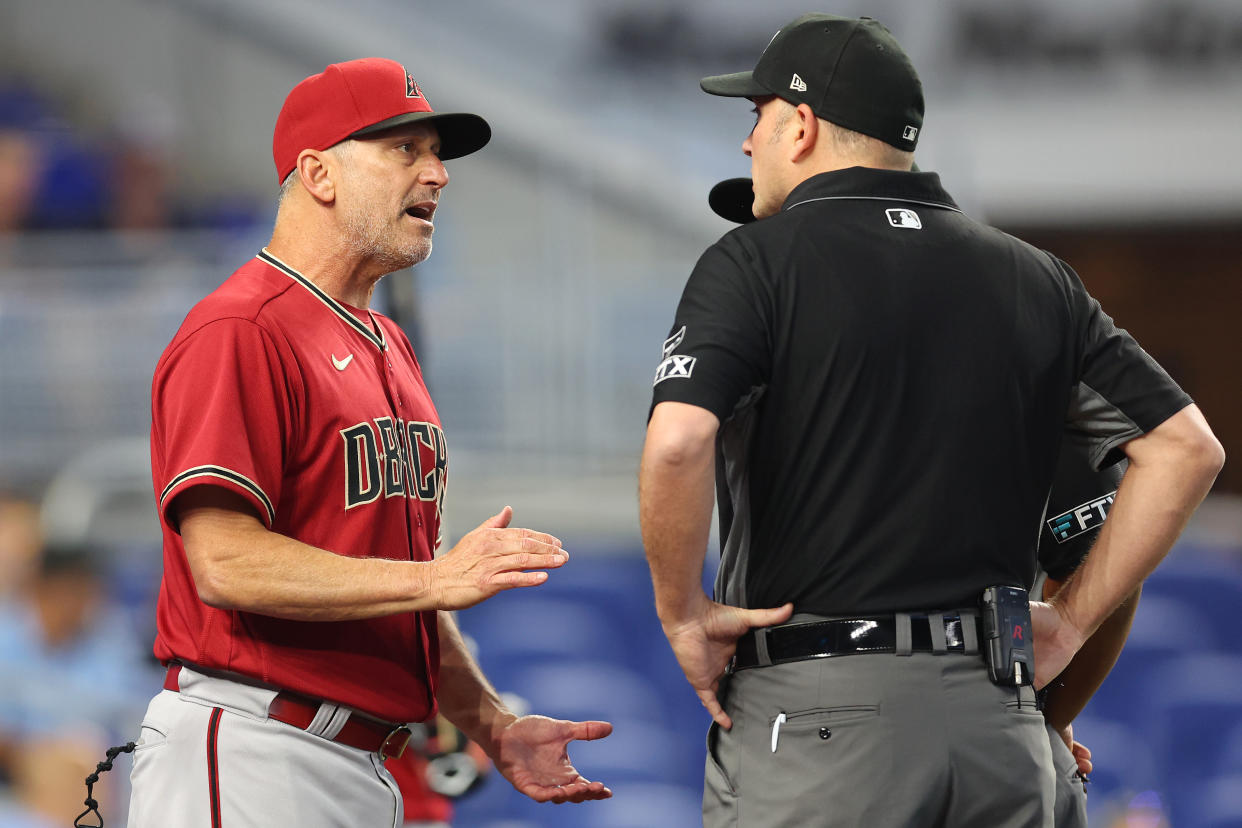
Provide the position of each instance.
(878, 386)
(299, 467)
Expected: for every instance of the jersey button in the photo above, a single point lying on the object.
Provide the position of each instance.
(420, 521)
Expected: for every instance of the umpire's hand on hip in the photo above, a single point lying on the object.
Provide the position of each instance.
(492, 558)
(704, 642)
(1056, 640)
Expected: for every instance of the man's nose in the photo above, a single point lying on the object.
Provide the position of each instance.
(434, 174)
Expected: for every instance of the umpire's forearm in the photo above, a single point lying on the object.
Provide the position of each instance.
(675, 496)
(1171, 470)
(1069, 693)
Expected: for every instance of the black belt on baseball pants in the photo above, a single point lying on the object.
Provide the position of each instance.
(904, 633)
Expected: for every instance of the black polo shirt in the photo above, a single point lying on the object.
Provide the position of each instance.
(892, 380)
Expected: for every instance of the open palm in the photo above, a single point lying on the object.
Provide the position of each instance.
(533, 754)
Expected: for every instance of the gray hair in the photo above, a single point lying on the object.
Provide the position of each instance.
(343, 151)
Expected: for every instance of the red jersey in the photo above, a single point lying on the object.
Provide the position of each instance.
(317, 414)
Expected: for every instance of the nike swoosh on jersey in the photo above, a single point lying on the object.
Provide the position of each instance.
(342, 364)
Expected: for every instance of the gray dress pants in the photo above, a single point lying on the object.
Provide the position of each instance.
(878, 740)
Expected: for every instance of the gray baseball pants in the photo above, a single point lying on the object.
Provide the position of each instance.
(878, 740)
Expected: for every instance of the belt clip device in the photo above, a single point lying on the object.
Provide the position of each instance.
(1007, 629)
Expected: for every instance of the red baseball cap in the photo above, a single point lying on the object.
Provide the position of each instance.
(361, 97)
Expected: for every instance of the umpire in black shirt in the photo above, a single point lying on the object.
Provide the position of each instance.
(878, 385)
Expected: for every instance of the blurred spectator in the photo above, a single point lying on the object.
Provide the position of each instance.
(20, 540)
(20, 164)
(140, 190)
(73, 680)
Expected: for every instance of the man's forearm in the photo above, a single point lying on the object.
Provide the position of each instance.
(1073, 688)
(675, 496)
(466, 697)
(239, 564)
(1171, 470)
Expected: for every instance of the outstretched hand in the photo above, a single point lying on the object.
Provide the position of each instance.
(491, 558)
(705, 644)
(532, 753)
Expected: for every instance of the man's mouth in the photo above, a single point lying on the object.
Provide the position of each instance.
(423, 210)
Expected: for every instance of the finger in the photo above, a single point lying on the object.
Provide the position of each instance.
(581, 786)
(542, 538)
(515, 561)
(513, 580)
(768, 617)
(592, 791)
(708, 697)
(499, 520)
(589, 731)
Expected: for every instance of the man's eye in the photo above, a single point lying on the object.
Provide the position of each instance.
(406, 147)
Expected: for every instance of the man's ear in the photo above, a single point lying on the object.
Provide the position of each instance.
(804, 127)
(316, 175)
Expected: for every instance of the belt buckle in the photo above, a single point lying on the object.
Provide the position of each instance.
(395, 741)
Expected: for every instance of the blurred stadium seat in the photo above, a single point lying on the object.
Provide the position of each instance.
(1216, 803)
(1213, 588)
(639, 751)
(1124, 757)
(1164, 629)
(1195, 704)
(525, 625)
(643, 805)
(589, 689)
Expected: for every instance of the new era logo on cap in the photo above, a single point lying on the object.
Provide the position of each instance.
(797, 84)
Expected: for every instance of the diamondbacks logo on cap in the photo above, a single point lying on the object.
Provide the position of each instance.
(910, 132)
(797, 84)
(905, 219)
(411, 87)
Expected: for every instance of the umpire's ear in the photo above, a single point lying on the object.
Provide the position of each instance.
(316, 172)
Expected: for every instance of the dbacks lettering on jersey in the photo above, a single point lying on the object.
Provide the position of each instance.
(393, 458)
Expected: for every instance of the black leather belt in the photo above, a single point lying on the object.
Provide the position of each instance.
(851, 636)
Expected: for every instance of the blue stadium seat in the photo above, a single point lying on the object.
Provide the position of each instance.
(1213, 588)
(1231, 751)
(644, 805)
(527, 626)
(1165, 628)
(639, 751)
(1195, 703)
(586, 689)
(1124, 758)
(1216, 803)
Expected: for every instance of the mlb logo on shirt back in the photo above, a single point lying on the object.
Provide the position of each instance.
(904, 219)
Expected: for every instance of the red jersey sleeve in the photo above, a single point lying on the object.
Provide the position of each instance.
(222, 413)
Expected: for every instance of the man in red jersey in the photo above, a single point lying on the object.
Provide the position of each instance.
(299, 467)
